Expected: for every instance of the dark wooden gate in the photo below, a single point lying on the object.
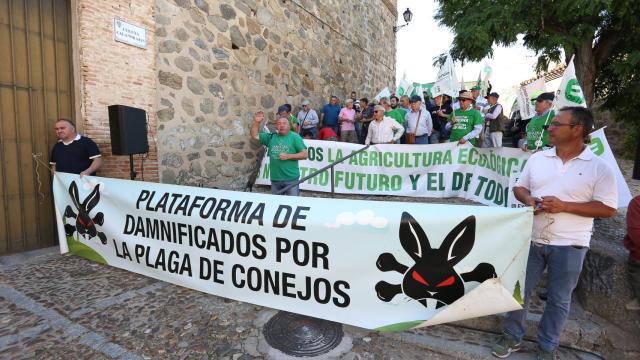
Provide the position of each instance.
(36, 88)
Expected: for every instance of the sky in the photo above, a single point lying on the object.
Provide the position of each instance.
(423, 39)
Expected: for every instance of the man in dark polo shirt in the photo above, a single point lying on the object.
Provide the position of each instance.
(73, 153)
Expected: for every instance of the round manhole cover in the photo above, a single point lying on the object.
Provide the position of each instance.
(302, 336)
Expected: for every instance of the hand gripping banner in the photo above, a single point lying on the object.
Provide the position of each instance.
(377, 265)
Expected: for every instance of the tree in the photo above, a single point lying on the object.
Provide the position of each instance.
(602, 34)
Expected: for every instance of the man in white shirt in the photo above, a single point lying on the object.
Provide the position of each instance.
(567, 186)
(383, 129)
(423, 119)
(308, 119)
(493, 122)
(479, 101)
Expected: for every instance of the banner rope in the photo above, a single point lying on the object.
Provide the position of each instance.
(36, 158)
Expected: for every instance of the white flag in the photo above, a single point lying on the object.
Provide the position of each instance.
(486, 71)
(384, 93)
(570, 93)
(527, 110)
(402, 88)
(447, 82)
(409, 90)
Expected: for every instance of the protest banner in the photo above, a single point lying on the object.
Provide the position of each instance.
(378, 265)
(524, 94)
(438, 170)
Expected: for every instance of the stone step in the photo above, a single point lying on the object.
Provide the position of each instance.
(582, 330)
(462, 343)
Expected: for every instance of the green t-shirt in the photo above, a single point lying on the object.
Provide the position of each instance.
(397, 115)
(534, 129)
(465, 121)
(292, 120)
(283, 170)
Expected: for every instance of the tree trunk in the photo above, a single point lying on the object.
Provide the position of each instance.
(585, 64)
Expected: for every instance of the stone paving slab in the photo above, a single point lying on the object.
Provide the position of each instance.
(13, 318)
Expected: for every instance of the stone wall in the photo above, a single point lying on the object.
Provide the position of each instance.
(220, 61)
(110, 72)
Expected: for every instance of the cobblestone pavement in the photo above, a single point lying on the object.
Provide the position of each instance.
(65, 307)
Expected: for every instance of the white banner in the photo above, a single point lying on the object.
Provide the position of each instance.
(446, 82)
(569, 92)
(378, 265)
(439, 170)
(527, 110)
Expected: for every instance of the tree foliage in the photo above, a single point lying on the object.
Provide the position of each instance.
(602, 34)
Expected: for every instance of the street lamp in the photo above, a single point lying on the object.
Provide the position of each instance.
(407, 15)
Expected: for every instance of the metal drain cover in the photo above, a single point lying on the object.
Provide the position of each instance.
(302, 336)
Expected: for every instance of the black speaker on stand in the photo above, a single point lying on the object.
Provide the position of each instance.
(128, 126)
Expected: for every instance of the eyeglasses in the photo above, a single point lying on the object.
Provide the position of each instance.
(377, 111)
(558, 124)
(545, 233)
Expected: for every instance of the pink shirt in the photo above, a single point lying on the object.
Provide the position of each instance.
(350, 115)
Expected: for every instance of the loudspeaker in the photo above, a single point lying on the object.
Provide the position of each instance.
(128, 127)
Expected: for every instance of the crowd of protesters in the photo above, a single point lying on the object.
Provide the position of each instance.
(469, 117)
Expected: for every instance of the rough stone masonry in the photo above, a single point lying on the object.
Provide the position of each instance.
(220, 61)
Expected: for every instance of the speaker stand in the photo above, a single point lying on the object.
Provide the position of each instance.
(132, 172)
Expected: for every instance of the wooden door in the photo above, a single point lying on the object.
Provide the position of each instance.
(36, 88)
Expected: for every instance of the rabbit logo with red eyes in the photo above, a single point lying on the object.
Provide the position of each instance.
(85, 224)
(432, 281)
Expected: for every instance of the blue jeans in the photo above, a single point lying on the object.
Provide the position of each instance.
(434, 138)
(276, 186)
(312, 130)
(422, 140)
(563, 264)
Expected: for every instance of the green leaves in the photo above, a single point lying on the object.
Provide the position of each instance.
(603, 34)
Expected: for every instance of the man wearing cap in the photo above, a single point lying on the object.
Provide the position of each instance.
(479, 101)
(467, 124)
(284, 148)
(309, 119)
(329, 115)
(494, 115)
(418, 121)
(537, 136)
(285, 112)
(456, 104)
(383, 129)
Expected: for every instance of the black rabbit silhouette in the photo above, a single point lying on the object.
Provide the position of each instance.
(84, 223)
(433, 275)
